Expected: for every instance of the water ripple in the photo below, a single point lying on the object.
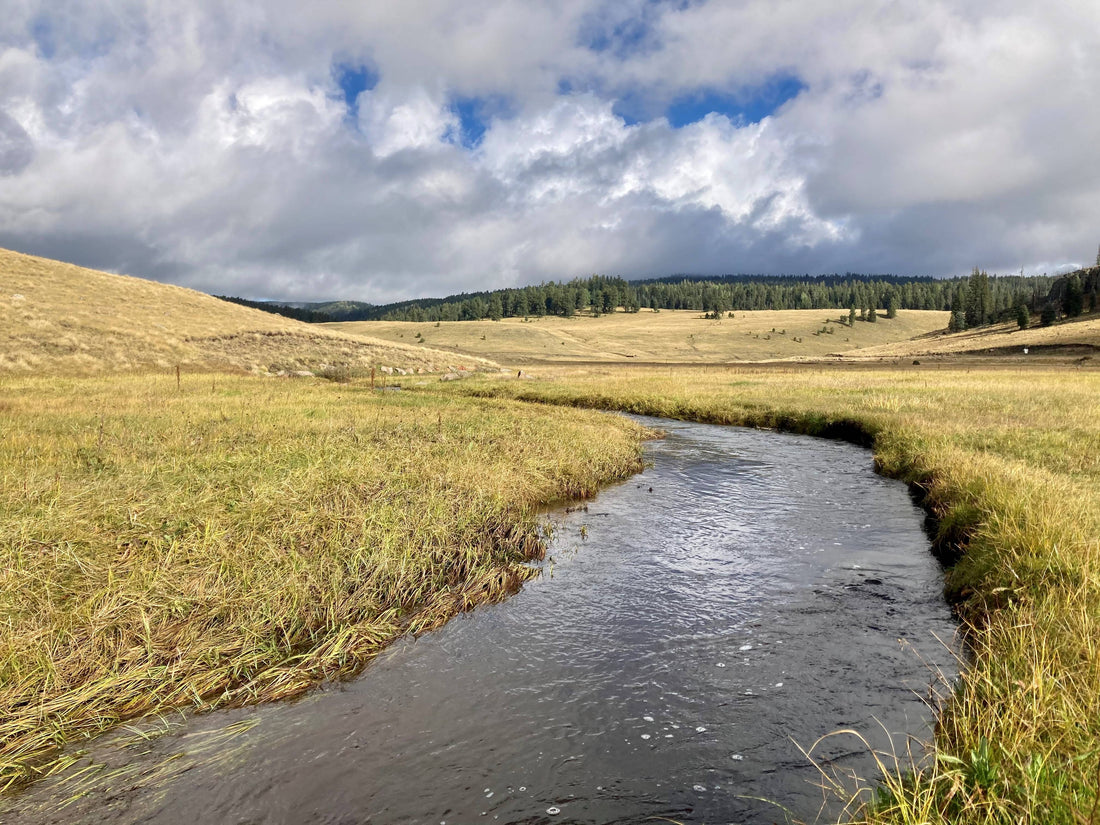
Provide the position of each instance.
(688, 639)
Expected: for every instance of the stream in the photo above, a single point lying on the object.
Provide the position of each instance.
(694, 628)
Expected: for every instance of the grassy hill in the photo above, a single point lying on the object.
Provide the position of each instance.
(1074, 338)
(60, 318)
(669, 336)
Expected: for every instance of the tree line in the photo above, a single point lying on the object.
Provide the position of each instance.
(599, 294)
(974, 300)
(977, 302)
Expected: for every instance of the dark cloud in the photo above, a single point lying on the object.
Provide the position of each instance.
(16, 146)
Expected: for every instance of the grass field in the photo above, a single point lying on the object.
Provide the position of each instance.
(1078, 337)
(1009, 462)
(60, 318)
(669, 336)
(239, 538)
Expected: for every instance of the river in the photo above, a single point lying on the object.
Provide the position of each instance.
(694, 626)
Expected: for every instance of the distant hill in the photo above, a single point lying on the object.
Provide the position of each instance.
(56, 317)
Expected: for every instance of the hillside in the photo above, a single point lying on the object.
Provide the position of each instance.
(56, 317)
(668, 336)
(1077, 338)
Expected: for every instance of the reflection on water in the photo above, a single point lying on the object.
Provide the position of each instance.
(697, 624)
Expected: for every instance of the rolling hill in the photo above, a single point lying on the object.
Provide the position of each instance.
(1068, 340)
(57, 317)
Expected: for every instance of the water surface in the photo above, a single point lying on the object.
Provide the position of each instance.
(693, 626)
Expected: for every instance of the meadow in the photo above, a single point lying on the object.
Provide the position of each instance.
(193, 539)
(234, 539)
(1009, 464)
(668, 336)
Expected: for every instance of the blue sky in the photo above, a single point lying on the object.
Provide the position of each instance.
(353, 80)
(386, 151)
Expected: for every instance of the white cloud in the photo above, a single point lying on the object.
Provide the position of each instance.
(407, 120)
(212, 146)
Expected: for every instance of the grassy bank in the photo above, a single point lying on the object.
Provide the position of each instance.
(239, 539)
(1010, 464)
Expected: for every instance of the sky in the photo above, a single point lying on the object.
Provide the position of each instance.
(379, 151)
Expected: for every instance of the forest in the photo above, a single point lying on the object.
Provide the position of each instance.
(974, 300)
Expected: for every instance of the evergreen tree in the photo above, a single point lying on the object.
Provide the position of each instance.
(978, 299)
(852, 314)
(1073, 300)
(872, 314)
(1023, 316)
(892, 306)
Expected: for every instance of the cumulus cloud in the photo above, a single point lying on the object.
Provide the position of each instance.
(509, 142)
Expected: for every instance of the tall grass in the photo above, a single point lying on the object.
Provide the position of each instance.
(1009, 462)
(239, 539)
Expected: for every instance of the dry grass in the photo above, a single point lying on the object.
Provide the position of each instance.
(1010, 463)
(1078, 334)
(241, 538)
(668, 336)
(60, 318)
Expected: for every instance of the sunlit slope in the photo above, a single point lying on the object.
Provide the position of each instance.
(663, 337)
(56, 317)
(1074, 337)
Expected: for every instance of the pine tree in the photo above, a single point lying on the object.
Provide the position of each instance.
(979, 300)
(1023, 316)
(1073, 301)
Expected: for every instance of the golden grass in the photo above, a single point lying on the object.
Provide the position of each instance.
(241, 538)
(1010, 463)
(1077, 334)
(669, 336)
(60, 318)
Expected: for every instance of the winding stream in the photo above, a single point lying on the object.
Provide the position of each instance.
(694, 625)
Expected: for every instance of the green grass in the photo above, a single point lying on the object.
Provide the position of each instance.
(239, 539)
(1009, 462)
